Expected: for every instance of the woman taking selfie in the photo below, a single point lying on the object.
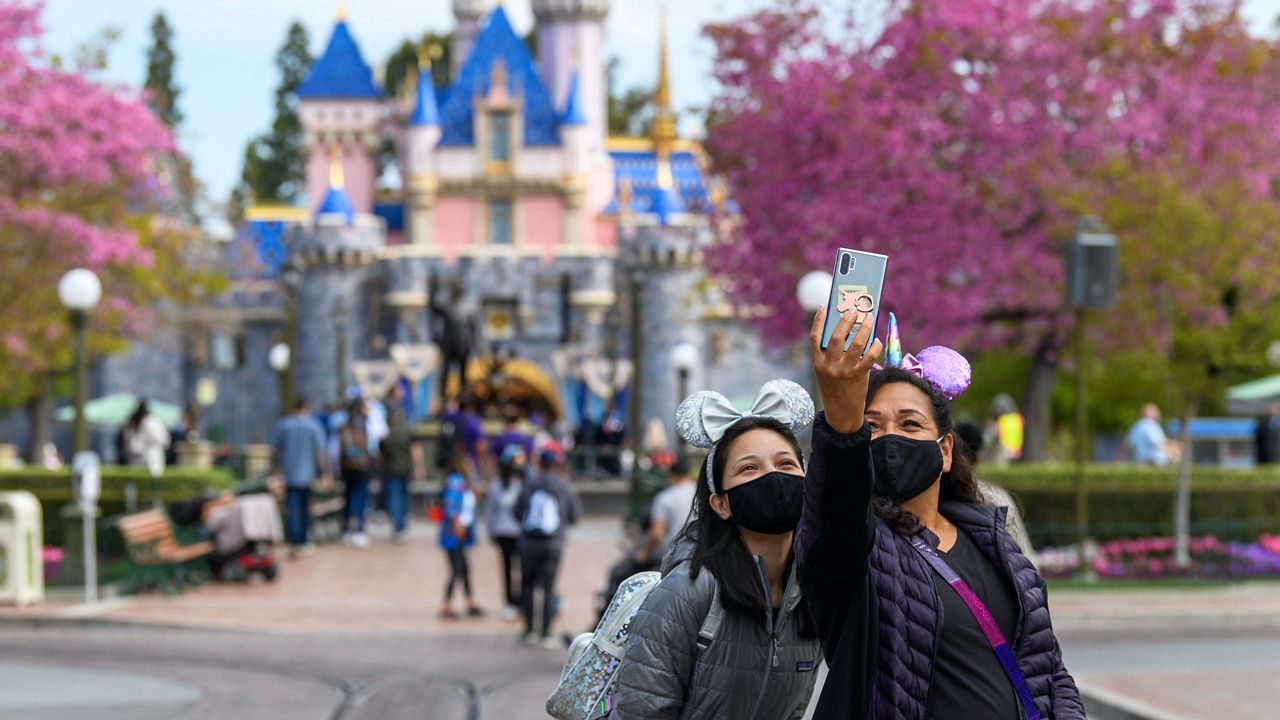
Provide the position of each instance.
(725, 633)
(925, 605)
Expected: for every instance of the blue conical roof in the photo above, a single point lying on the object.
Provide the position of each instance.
(337, 202)
(498, 42)
(425, 112)
(341, 71)
(575, 112)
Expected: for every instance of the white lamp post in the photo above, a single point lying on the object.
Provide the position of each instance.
(685, 357)
(80, 290)
(278, 358)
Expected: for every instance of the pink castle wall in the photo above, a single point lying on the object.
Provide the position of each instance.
(542, 223)
(455, 219)
(359, 169)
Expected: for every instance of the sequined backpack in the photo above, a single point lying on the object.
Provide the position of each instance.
(585, 690)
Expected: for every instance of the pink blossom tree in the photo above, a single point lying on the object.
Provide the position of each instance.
(78, 186)
(964, 138)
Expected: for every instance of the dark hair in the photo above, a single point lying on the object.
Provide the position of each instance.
(680, 468)
(299, 403)
(958, 483)
(139, 414)
(969, 434)
(718, 546)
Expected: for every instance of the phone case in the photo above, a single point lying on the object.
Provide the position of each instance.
(859, 286)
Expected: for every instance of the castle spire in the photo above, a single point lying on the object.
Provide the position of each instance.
(342, 11)
(664, 119)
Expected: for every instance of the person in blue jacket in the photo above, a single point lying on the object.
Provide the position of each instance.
(457, 535)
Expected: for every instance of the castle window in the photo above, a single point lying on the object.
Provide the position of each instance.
(499, 222)
(500, 137)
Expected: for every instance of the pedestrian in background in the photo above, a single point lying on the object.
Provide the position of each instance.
(357, 462)
(457, 536)
(503, 525)
(547, 507)
(667, 515)
(145, 439)
(401, 462)
(300, 457)
(1146, 442)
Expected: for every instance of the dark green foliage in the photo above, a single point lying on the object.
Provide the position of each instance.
(630, 112)
(275, 162)
(160, 84)
(1130, 501)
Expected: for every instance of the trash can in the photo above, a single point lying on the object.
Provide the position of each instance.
(21, 549)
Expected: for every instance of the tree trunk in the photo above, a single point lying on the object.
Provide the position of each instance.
(1182, 503)
(37, 425)
(1035, 407)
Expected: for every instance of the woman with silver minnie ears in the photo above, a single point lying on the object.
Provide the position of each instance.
(725, 634)
(926, 607)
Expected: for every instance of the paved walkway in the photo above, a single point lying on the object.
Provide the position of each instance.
(396, 590)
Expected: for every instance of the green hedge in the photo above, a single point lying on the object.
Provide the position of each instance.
(53, 489)
(1131, 501)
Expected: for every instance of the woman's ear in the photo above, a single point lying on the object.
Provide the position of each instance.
(947, 444)
(720, 506)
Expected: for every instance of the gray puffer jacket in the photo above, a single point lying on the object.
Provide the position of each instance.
(747, 672)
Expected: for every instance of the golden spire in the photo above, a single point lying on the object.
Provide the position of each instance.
(336, 179)
(662, 98)
(342, 11)
(664, 118)
(424, 58)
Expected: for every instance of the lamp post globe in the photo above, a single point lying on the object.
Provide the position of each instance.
(813, 290)
(684, 356)
(278, 357)
(79, 290)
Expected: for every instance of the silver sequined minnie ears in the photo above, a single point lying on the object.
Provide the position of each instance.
(704, 417)
(943, 368)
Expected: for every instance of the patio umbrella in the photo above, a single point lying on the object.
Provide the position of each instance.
(1255, 397)
(114, 411)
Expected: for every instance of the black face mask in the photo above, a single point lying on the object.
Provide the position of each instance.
(905, 467)
(770, 504)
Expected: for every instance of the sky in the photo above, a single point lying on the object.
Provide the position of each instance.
(225, 52)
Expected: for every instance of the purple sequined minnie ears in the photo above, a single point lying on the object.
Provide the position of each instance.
(943, 368)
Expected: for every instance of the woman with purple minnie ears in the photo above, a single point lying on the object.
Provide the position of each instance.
(926, 607)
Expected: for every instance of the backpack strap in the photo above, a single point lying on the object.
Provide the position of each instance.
(711, 625)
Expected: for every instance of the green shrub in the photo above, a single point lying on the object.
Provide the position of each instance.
(1132, 501)
(53, 489)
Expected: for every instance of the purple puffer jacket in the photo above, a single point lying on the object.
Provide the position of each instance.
(875, 602)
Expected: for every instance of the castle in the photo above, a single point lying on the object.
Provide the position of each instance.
(579, 254)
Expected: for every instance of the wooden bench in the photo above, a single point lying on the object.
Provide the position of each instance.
(156, 556)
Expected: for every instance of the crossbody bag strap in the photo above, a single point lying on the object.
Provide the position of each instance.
(999, 645)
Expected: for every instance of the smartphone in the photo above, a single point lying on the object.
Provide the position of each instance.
(856, 284)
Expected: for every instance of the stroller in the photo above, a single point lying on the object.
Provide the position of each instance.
(246, 530)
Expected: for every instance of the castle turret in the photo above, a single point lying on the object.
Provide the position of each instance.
(423, 136)
(469, 14)
(571, 41)
(339, 108)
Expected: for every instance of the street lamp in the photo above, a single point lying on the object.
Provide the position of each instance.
(79, 290)
(291, 274)
(813, 291)
(278, 357)
(684, 357)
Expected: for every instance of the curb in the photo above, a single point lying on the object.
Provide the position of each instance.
(1102, 704)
